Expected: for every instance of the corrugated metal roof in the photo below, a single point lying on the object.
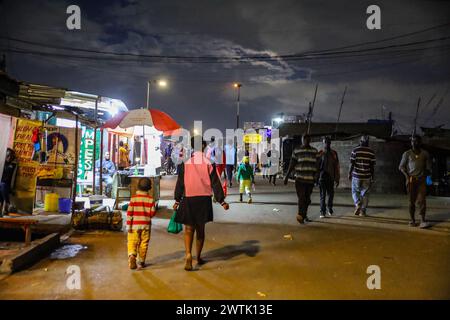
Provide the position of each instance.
(41, 94)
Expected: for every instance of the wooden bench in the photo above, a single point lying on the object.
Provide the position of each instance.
(24, 224)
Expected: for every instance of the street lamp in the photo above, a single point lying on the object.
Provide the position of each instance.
(160, 83)
(238, 87)
(277, 121)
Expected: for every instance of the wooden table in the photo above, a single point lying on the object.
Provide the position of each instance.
(24, 224)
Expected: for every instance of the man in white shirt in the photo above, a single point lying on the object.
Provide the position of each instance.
(230, 152)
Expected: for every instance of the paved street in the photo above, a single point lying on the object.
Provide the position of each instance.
(256, 252)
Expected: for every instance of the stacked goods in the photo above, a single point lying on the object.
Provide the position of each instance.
(101, 218)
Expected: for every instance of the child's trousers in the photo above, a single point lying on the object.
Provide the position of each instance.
(138, 243)
(245, 185)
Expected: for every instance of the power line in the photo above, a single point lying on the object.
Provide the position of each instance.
(219, 59)
(167, 59)
(394, 37)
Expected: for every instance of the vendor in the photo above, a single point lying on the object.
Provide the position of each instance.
(108, 170)
(7, 182)
(124, 158)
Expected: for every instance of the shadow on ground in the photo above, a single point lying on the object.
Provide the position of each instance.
(249, 248)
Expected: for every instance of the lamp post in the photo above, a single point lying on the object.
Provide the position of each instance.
(238, 87)
(162, 84)
(159, 83)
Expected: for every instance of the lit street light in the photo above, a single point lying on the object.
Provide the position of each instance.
(160, 83)
(238, 87)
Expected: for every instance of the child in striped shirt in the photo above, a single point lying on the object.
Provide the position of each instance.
(140, 212)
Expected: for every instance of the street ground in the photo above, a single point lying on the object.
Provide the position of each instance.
(259, 251)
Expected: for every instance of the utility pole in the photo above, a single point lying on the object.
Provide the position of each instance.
(311, 109)
(415, 118)
(238, 87)
(340, 110)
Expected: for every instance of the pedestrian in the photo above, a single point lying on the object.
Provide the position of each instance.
(230, 155)
(246, 179)
(416, 166)
(304, 163)
(180, 155)
(265, 163)
(274, 163)
(328, 176)
(253, 159)
(196, 179)
(7, 181)
(140, 212)
(124, 158)
(361, 175)
(211, 150)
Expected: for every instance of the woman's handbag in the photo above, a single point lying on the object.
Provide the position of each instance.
(174, 227)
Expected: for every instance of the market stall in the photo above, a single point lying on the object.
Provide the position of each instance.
(148, 126)
(46, 157)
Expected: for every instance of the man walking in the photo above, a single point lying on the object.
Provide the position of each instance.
(416, 165)
(328, 176)
(304, 161)
(274, 160)
(361, 174)
(230, 155)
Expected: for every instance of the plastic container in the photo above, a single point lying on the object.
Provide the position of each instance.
(51, 202)
(65, 205)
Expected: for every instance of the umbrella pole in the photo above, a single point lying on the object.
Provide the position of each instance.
(101, 157)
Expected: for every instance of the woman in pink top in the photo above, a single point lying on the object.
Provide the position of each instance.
(196, 182)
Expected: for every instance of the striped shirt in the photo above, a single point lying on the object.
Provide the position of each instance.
(140, 211)
(362, 159)
(305, 159)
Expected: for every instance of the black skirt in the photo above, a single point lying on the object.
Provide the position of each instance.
(195, 210)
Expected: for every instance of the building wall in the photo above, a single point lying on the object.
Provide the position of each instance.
(388, 179)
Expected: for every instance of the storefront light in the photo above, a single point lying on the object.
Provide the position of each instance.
(65, 123)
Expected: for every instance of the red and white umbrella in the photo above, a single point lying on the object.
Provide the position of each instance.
(143, 117)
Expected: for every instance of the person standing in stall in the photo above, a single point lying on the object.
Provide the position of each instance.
(7, 181)
(124, 158)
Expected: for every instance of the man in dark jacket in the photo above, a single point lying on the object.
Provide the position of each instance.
(328, 176)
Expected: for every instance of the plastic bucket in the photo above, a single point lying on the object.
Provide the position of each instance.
(65, 205)
(51, 202)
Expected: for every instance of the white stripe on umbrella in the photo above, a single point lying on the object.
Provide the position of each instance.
(138, 117)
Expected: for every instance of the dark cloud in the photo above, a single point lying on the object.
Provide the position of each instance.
(376, 84)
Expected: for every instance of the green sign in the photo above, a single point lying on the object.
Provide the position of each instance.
(86, 160)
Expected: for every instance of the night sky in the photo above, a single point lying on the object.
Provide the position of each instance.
(377, 83)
